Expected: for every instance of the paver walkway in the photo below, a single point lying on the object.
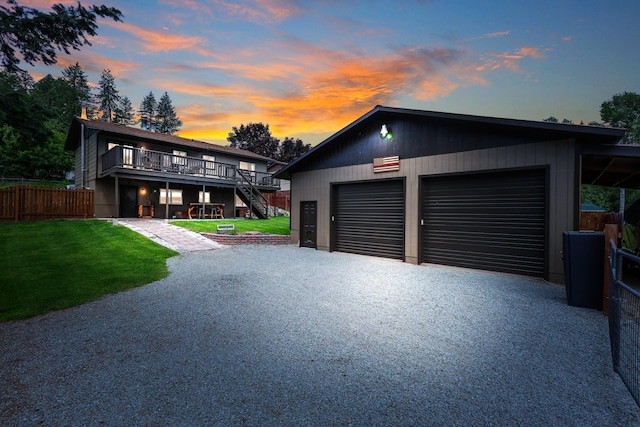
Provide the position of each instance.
(170, 236)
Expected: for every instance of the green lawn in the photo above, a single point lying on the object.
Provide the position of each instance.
(52, 265)
(273, 225)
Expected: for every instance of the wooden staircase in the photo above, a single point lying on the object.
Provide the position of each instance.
(251, 196)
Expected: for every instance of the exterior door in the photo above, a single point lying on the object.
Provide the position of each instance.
(128, 201)
(309, 222)
(489, 221)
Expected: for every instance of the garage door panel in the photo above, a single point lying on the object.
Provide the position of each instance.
(494, 221)
(528, 266)
(369, 218)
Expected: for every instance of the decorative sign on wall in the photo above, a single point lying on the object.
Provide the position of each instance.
(386, 164)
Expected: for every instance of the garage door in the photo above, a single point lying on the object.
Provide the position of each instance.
(489, 221)
(368, 218)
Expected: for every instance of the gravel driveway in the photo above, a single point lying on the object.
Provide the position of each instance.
(263, 335)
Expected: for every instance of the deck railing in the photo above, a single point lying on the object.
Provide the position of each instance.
(158, 161)
(624, 321)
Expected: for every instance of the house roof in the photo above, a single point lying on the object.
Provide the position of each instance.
(585, 134)
(590, 207)
(73, 138)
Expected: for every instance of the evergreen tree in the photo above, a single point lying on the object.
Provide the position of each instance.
(59, 99)
(166, 119)
(37, 36)
(148, 110)
(31, 135)
(124, 112)
(78, 80)
(108, 95)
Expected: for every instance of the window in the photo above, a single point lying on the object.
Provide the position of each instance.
(251, 167)
(179, 157)
(207, 197)
(175, 197)
(127, 153)
(248, 166)
(209, 164)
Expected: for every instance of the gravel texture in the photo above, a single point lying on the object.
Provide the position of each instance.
(263, 335)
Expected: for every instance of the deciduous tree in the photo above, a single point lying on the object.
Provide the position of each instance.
(623, 110)
(254, 137)
(290, 149)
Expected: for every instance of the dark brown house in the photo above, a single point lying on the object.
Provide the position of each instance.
(469, 191)
(137, 173)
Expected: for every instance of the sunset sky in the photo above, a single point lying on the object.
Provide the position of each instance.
(309, 68)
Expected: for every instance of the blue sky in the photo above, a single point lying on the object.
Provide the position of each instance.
(309, 68)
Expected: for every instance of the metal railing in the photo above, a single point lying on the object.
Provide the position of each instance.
(624, 321)
(158, 161)
(258, 179)
(258, 204)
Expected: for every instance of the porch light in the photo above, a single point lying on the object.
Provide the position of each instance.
(385, 132)
(143, 191)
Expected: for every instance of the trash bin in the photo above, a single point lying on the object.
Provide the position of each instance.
(583, 254)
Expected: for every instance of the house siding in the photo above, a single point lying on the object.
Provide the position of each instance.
(557, 155)
(98, 135)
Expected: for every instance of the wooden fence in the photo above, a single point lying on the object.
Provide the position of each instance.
(279, 200)
(23, 203)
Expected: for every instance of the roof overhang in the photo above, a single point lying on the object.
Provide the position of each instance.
(611, 166)
(584, 135)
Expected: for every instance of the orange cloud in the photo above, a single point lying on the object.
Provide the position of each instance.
(533, 52)
(510, 60)
(155, 41)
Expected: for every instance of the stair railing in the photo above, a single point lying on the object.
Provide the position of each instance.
(252, 193)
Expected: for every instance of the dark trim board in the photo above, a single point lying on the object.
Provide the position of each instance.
(368, 217)
(493, 220)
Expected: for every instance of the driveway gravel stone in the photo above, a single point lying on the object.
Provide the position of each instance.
(264, 335)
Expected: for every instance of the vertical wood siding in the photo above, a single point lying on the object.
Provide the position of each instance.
(557, 155)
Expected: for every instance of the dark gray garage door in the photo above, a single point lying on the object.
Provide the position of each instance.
(489, 221)
(368, 218)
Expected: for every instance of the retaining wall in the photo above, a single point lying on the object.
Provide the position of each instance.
(250, 238)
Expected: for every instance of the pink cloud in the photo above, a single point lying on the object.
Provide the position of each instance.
(267, 11)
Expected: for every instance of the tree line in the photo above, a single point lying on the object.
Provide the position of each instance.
(621, 111)
(35, 118)
(257, 138)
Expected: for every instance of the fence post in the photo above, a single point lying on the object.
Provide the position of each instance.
(614, 314)
(610, 233)
(16, 202)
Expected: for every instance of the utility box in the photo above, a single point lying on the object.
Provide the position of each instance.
(584, 268)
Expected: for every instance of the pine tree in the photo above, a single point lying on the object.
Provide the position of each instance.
(166, 118)
(124, 112)
(108, 95)
(147, 111)
(77, 79)
(30, 35)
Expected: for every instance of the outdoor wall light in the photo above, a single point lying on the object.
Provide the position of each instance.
(385, 132)
(143, 191)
